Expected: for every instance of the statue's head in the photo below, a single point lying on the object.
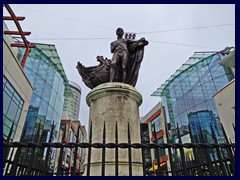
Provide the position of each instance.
(119, 32)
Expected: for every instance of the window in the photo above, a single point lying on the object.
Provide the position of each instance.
(161, 151)
(63, 127)
(157, 122)
(12, 107)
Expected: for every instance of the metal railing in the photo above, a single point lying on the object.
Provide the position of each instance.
(216, 159)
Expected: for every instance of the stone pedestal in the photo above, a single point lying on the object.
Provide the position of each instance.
(115, 103)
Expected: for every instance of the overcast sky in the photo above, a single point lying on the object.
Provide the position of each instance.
(174, 33)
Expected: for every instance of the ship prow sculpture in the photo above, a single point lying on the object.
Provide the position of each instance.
(94, 75)
(123, 67)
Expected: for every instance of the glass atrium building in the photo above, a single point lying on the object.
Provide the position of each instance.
(187, 96)
(45, 72)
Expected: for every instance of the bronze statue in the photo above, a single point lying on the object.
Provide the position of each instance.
(127, 56)
(120, 57)
(124, 66)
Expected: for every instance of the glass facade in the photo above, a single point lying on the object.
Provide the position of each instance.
(72, 102)
(157, 122)
(47, 99)
(46, 104)
(12, 108)
(187, 96)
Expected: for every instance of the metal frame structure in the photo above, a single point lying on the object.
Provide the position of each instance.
(20, 32)
(222, 164)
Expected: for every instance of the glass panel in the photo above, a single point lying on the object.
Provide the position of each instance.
(181, 105)
(175, 82)
(172, 93)
(12, 111)
(193, 79)
(220, 82)
(29, 63)
(194, 122)
(208, 90)
(6, 102)
(185, 84)
(49, 113)
(198, 95)
(9, 88)
(6, 130)
(17, 115)
(57, 103)
(14, 127)
(55, 82)
(7, 91)
(30, 74)
(211, 106)
(216, 70)
(47, 93)
(35, 100)
(204, 74)
(46, 67)
(51, 76)
(39, 86)
(53, 98)
(61, 88)
(158, 124)
(43, 108)
(27, 72)
(175, 109)
(8, 122)
(184, 120)
(15, 98)
(41, 71)
(35, 65)
(60, 107)
(189, 101)
(178, 90)
(21, 103)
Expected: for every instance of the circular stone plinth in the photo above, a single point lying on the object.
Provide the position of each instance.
(114, 87)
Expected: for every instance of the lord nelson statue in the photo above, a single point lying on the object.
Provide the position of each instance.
(126, 59)
(123, 67)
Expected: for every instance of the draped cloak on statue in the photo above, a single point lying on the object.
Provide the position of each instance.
(136, 52)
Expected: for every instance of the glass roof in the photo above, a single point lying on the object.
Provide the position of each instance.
(197, 56)
(51, 51)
